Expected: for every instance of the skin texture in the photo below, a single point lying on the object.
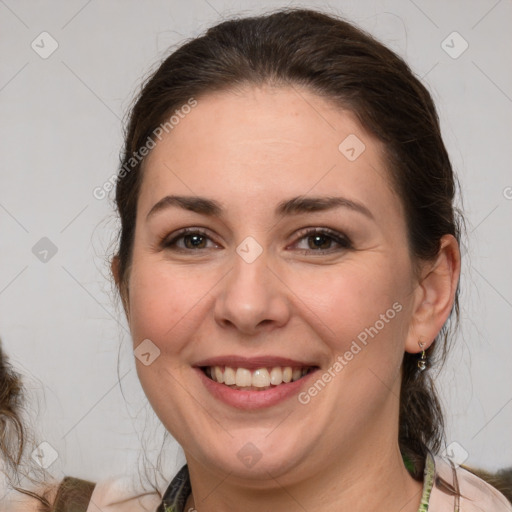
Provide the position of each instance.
(250, 150)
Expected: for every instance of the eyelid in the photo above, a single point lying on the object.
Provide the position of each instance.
(340, 238)
(170, 240)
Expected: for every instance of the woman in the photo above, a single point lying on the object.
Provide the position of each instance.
(288, 264)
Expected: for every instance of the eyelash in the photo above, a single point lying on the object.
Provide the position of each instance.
(342, 240)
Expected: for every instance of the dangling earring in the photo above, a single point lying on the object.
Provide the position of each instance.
(422, 361)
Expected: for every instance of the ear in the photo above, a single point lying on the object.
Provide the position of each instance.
(435, 295)
(123, 292)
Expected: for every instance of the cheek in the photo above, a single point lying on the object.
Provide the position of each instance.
(164, 308)
(356, 292)
(159, 301)
(169, 305)
(359, 308)
(152, 306)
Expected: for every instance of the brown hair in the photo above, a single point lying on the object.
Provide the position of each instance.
(347, 66)
(13, 436)
(12, 433)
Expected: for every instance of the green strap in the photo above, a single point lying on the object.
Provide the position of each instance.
(408, 463)
(73, 495)
(428, 482)
(428, 478)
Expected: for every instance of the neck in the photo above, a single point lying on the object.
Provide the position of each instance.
(369, 481)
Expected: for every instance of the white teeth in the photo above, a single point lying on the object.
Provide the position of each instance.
(229, 376)
(276, 376)
(243, 377)
(218, 374)
(259, 378)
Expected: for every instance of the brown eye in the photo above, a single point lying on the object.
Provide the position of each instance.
(323, 240)
(194, 241)
(319, 242)
(188, 239)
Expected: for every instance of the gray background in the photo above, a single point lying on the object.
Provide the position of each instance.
(60, 135)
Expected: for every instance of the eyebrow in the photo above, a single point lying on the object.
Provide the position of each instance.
(293, 206)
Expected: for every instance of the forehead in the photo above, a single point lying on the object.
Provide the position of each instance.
(265, 142)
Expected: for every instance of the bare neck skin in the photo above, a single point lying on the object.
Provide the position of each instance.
(384, 487)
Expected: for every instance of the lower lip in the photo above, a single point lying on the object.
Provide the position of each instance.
(253, 399)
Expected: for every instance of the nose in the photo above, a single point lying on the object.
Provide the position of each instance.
(252, 297)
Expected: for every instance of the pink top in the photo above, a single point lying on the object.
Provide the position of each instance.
(477, 495)
(118, 495)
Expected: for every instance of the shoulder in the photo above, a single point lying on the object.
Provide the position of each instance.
(116, 494)
(120, 494)
(476, 494)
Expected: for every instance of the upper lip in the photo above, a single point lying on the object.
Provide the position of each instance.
(253, 363)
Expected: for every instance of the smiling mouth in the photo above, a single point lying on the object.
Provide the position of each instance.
(259, 379)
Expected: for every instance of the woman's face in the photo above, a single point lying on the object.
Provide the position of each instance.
(272, 275)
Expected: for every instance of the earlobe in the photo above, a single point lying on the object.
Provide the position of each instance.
(435, 295)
